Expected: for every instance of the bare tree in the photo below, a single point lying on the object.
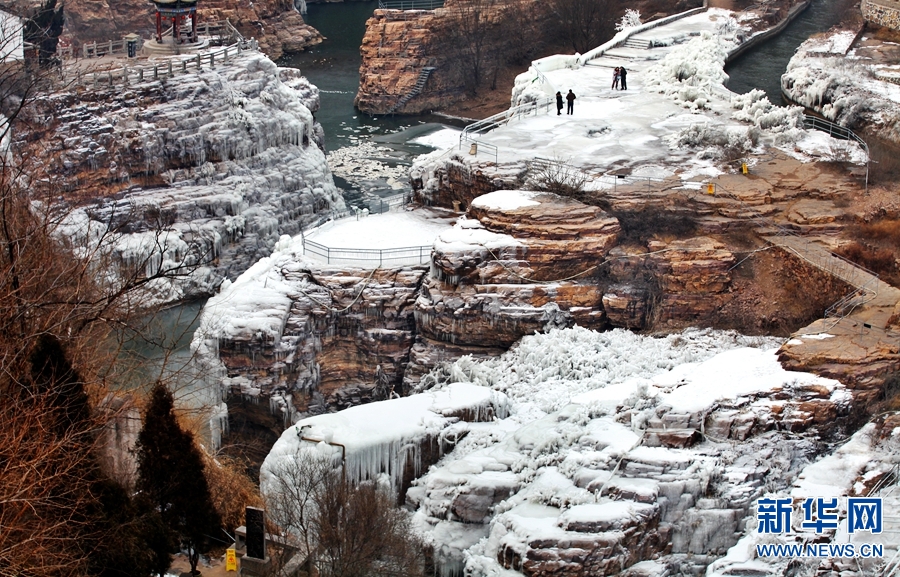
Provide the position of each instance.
(346, 530)
(585, 23)
(471, 26)
(59, 515)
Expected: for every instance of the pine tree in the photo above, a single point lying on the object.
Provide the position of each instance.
(170, 476)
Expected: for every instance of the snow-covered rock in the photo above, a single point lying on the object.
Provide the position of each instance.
(207, 168)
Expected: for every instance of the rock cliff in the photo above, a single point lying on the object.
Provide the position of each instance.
(464, 42)
(275, 23)
(202, 170)
(520, 262)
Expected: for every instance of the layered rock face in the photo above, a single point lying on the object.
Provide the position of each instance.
(462, 40)
(204, 170)
(343, 337)
(275, 23)
(530, 262)
(394, 52)
(524, 266)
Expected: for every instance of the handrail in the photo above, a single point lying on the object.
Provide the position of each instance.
(866, 290)
(408, 255)
(166, 69)
(838, 131)
(501, 118)
(410, 4)
(98, 49)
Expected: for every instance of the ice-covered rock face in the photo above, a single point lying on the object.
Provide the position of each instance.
(217, 163)
(605, 451)
(849, 80)
(619, 449)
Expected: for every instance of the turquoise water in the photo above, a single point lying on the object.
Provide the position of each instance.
(762, 67)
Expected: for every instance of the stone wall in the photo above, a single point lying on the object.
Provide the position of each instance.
(882, 12)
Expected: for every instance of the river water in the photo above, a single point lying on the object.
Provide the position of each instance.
(333, 66)
(761, 67)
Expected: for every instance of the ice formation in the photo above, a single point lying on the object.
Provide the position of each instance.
(844, 85)
(388, 437)
(236, 147)
(601, 450)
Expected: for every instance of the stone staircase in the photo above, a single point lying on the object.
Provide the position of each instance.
(417, 89)
(638, 43)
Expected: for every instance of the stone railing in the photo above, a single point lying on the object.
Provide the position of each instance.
(221, 29)
(168, 68)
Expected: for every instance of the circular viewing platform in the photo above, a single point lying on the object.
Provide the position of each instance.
(170, 46)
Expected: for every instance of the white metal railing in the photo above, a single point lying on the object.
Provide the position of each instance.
(409, 255)
(491, 122)
(410, 4)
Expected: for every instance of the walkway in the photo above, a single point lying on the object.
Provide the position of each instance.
(874, 300)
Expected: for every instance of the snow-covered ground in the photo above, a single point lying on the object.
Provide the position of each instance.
(387, 230)
(676, 117)
(853, 87)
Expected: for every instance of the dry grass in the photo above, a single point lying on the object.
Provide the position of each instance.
(876, 246)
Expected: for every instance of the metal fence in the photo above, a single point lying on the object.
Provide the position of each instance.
(563, 171)
(840, 132)
(470, 132)
(410, 4)
(410, 255)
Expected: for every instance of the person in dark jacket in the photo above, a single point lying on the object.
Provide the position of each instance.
(558, 103)
(570, 98)
(622, 73)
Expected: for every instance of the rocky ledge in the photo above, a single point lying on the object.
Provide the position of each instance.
(529, 262)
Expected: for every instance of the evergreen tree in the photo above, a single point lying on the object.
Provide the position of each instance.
(170, 476)
(105, 533)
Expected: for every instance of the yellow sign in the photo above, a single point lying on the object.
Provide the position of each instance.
(230, 560)
(710, 188)
(744, 167)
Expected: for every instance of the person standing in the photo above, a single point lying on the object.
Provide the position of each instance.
(622, 74)
(558, 103)
(570, 98)
(615, 78)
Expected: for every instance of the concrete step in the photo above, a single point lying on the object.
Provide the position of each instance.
(637, 43)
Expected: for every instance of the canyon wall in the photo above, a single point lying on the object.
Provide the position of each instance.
(200, 172)
(275, 23)
(509, 268)
(456, 50)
